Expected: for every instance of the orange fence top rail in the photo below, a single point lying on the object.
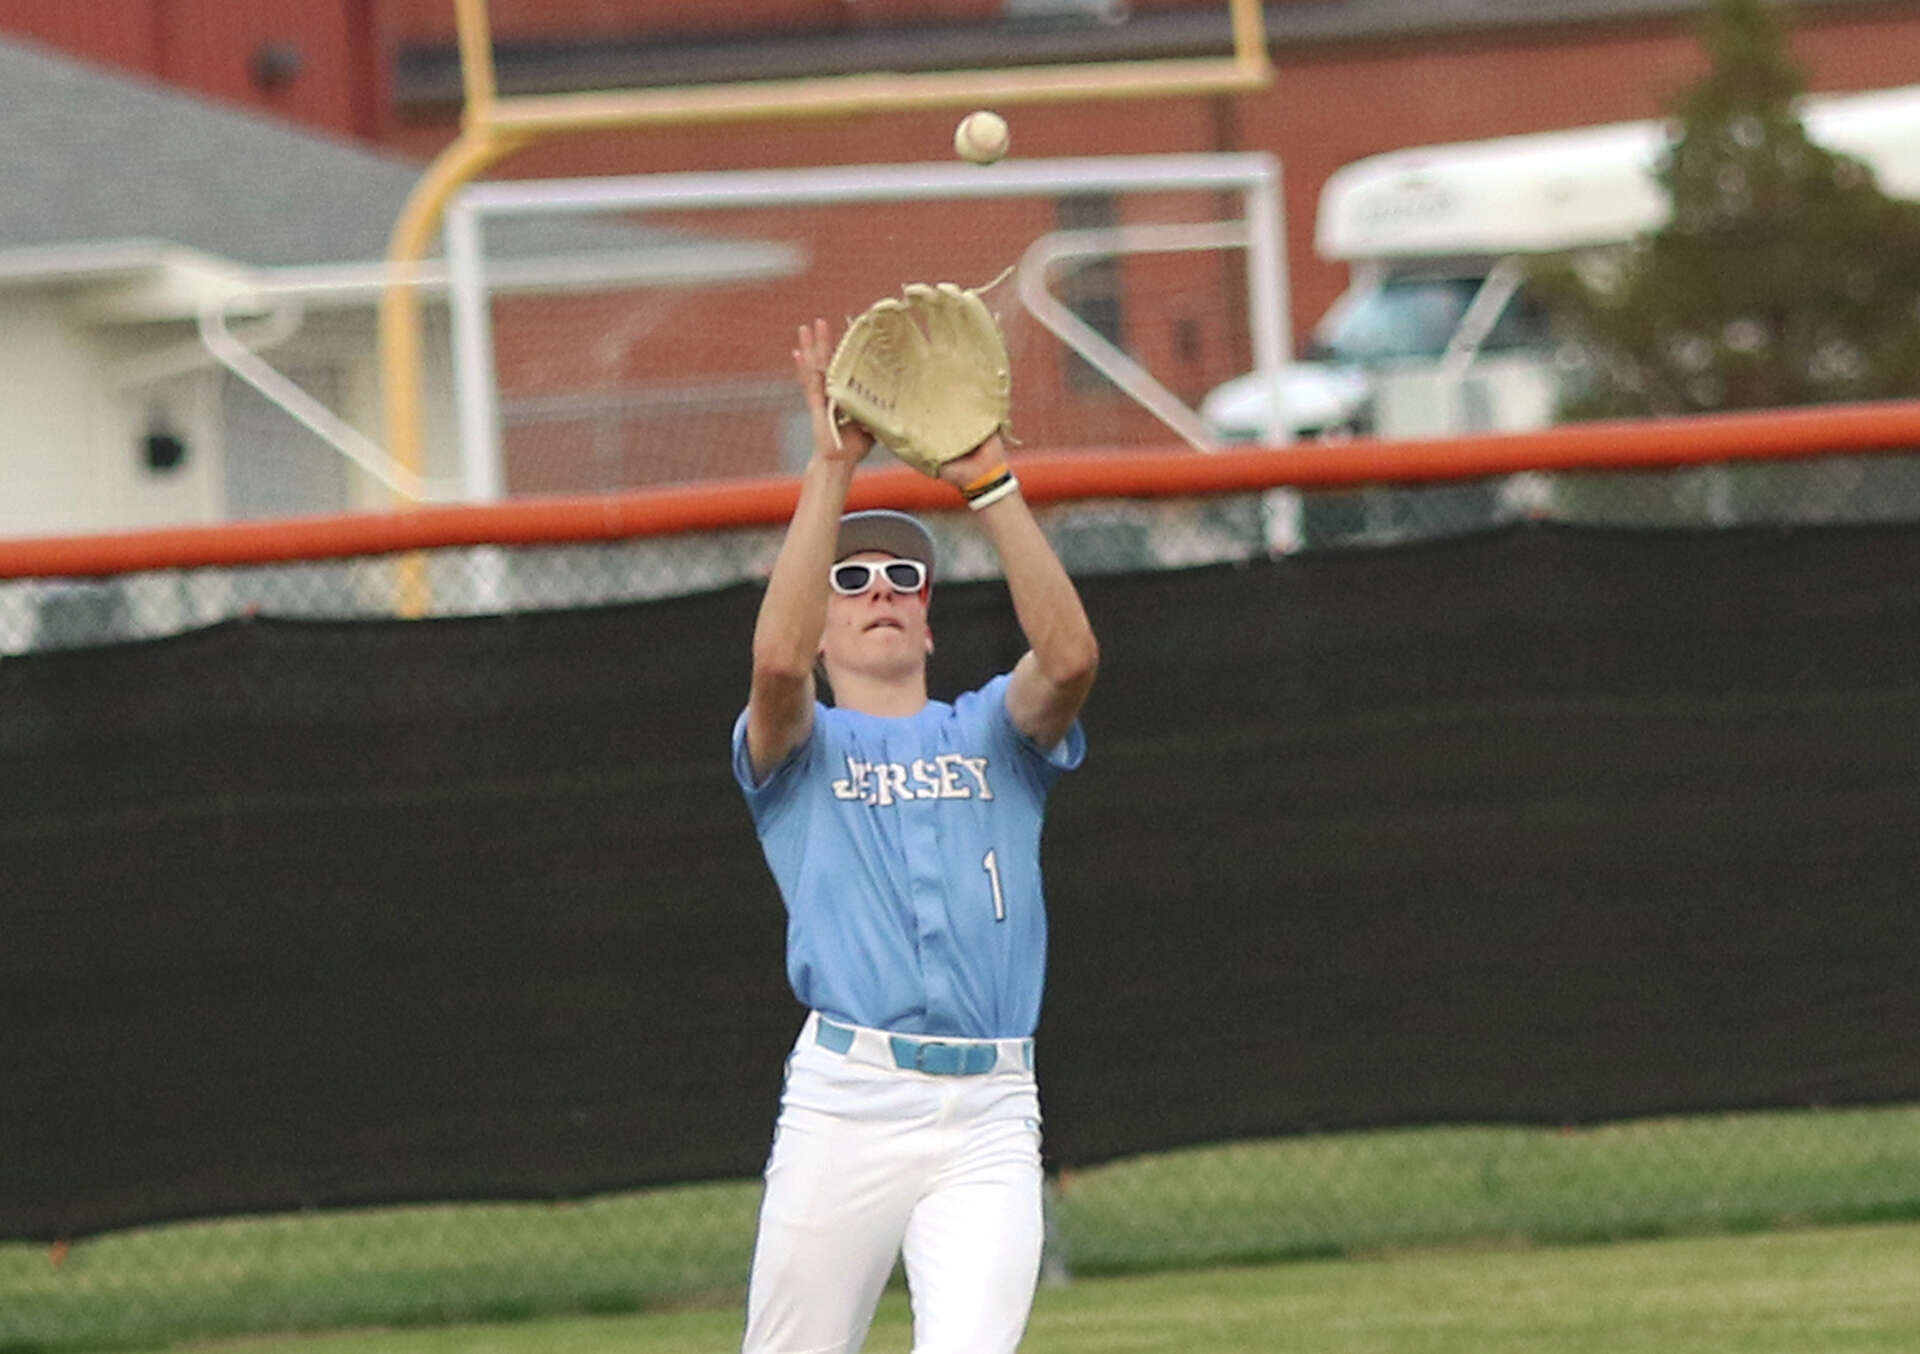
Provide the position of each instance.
(1045, 478)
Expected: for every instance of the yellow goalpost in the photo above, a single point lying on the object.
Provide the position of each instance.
(493, 128)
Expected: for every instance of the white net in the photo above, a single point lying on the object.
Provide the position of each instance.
(1126, 289)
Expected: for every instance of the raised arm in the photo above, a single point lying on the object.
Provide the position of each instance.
(1051, 681)
(793, 612)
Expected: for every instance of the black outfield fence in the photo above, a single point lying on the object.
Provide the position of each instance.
(1549, 826)
(1497, 879)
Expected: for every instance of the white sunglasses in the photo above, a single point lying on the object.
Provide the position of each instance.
(852, 577)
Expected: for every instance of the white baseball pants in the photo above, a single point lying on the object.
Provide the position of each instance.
(871, 1162)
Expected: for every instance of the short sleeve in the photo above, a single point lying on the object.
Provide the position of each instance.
(989, 704)
(782, 775)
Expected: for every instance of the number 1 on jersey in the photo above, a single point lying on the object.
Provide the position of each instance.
(992, 867)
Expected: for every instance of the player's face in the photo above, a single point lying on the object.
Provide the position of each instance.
(881, 626)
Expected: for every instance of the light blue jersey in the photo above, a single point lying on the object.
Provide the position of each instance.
(907, 851)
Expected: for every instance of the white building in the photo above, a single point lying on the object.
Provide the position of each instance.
(163, 258)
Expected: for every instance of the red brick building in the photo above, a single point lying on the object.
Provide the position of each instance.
(1354, 77)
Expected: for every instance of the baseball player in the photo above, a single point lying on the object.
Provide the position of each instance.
(904, 835)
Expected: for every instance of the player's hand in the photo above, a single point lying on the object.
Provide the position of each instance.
(849, 442)
(964, 470)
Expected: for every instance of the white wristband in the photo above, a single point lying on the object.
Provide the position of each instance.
(995, 494)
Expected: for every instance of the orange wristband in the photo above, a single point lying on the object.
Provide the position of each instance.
(986, 480)
(996, 489)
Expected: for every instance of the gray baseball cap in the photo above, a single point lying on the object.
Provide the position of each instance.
(899, 535)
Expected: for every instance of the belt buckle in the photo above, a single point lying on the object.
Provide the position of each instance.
(938, 1058)
(947, 1057)
(930, 1057)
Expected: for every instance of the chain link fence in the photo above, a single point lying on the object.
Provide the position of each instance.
(1230, 1202)
(1092, 538)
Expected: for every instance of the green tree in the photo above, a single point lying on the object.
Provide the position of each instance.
(1784, 276)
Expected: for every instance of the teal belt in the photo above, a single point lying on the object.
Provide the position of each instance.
(935, 1057)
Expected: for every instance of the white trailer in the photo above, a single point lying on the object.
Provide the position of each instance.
(1435, 333)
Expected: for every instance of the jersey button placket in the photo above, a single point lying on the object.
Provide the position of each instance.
(920, 833)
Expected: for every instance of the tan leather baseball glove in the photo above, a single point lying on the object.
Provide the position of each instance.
(925, 373)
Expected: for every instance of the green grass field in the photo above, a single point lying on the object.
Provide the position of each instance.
(1826, 1291)
(1526, 1197)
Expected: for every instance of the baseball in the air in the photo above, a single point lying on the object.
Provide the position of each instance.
(981, 137)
